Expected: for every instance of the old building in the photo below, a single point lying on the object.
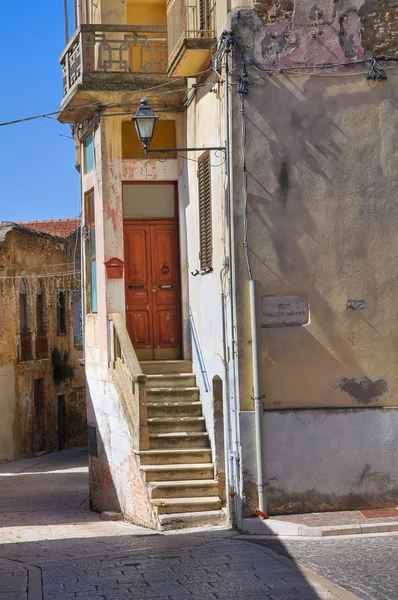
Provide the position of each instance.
(240, 333)
(42, 386)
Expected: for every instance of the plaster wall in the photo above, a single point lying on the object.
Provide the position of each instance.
(203, 130)
(324, 459)
(322, 164)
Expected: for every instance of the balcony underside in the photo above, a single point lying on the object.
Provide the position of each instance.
(116, 92)
(192, 57)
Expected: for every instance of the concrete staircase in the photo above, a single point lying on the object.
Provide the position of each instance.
(178, 466)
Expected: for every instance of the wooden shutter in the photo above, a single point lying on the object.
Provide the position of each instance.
(205, 10)
(205, 225)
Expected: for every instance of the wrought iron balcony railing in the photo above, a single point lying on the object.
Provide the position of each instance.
(191, 27)
(98, 51)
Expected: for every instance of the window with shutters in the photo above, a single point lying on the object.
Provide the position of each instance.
(205, 224)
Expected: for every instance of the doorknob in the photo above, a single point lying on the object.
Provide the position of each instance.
(154, 289)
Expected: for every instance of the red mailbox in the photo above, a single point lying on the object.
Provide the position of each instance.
(114, 268)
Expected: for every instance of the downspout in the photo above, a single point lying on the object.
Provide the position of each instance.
(79, 16)
(234, 451)
(254, 316)
(66, 16)
(82, 253)
(228, 428)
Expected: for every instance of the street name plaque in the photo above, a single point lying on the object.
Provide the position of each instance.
(284, 311)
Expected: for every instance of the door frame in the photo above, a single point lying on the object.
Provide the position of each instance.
(162, 221)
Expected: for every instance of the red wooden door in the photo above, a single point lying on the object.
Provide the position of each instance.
(153, 298)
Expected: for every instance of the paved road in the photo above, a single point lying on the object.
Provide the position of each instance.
(365, 565)
(53, 548)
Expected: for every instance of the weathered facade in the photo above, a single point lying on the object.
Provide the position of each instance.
(296, 205)
(42, 386)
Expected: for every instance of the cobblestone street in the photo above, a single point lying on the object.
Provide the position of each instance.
(364, 565)
(53, 548)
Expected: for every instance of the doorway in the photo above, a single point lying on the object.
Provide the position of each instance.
(152, 270)
(39, 432)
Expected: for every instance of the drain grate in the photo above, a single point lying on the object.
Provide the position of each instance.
(380, 512)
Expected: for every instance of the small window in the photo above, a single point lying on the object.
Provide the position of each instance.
(61, 311)
(91, 252)
(205, 221)
(23, 308)
(40, 318)
(77, 317)
(89, 153)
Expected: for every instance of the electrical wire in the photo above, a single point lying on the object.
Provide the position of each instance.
(99, 104)
(42, 275)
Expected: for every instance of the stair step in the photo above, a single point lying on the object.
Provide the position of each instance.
(156, 367)
(178, 409)
(183, 505)
(175, 456)
(172, 380)
(182, 394)
(179, 439)
(206, 518)
(194, 488)
(173, 424)
(178, 472)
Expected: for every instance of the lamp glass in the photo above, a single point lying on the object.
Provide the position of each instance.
(145, 121)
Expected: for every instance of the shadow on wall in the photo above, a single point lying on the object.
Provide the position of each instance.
(103, 494)
(312, 207)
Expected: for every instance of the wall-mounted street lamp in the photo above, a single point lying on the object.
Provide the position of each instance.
(145, 122)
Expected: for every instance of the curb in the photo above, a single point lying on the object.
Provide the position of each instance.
(333, 588)
(285, 528)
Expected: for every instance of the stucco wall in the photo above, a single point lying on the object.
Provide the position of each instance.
(322, 220)
(322, 164)
(324, 459)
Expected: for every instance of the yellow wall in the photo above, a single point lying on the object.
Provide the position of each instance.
(164, 137)
(151, 12)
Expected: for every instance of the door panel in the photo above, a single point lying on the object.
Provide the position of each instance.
(166, 285)
(138, 294)
(153, 298)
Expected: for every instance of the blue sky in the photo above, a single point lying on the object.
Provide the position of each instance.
(38, 179)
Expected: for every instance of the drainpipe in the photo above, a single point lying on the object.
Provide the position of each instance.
(257, 396)
(79, 13)
(234, 449)
(66, 16)
(228, 428)
(254, 316)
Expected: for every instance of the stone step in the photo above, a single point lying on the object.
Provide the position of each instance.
(179, 394)
(206, 518)
(175, 456)
(178, 409)
(193, 488)
(157, 367)
(185, 505)
(179, 439)
(172, 380)
(178, 472)
(171, 424)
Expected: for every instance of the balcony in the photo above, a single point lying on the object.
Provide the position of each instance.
(191, 35)
(103, 59)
